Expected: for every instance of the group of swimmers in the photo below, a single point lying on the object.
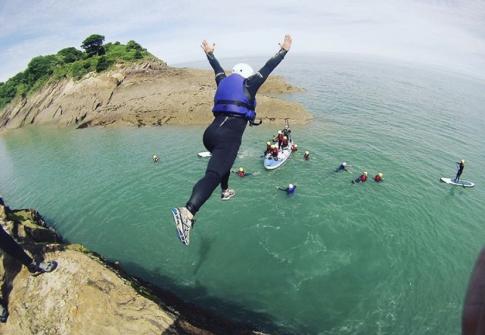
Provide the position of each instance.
(363, 177)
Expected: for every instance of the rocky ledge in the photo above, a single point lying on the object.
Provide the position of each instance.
(86, 294)
(144, 94)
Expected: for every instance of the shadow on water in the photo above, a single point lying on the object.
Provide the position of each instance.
(195, 304)
(205, 247)
(214, 314)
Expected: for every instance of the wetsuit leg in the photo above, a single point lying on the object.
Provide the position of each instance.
(12, 248)
(225, 180)
(222, 138)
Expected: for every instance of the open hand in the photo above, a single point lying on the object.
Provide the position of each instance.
(207, 47)
(286, 42)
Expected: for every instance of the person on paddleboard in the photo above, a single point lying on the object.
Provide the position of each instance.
(287, 131)
(234, 107)
(268, 148)
(274, 152)
(461, 166)
(279, 138)
(284, 144)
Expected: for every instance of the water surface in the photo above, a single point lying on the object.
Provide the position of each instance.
(337, 258)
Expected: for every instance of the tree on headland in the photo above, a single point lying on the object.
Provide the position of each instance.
(70, 55)
(93, 45)
(133, 45)
(69, 63)
(38, 67)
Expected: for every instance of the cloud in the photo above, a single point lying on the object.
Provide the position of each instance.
(448, 34)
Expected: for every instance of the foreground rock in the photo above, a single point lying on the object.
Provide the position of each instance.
(144, 94)
(84, 295)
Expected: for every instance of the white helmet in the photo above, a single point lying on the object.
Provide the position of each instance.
(291, 186)
(242, 69)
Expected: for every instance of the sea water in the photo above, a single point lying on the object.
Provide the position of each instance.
(336, 258)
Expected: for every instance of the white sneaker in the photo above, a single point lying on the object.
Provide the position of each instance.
(228, 194)
(183, 224)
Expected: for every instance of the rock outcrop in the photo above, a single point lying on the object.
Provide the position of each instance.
(84, 295)
(143, 94)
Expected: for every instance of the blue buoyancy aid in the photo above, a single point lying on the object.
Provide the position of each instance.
(230, 98)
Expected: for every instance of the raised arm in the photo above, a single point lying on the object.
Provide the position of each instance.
(209, 51)
(255, 81)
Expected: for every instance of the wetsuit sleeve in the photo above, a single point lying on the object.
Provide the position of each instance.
(256, 80)
(218, 70)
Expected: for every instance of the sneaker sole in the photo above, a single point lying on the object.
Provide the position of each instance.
(179, 226)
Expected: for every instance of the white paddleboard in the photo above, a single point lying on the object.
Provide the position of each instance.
(464, 183)
(204, 154)
(283, 155)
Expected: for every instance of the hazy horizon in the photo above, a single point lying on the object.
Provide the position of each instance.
(447, 34)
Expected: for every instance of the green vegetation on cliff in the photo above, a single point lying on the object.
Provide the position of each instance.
(70, 63)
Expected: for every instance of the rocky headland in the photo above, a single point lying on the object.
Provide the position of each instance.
(146, 93)
(87, 294)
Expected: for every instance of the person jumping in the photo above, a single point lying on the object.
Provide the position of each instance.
(234, 107)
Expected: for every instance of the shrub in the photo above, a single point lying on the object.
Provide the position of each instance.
(102, 64)
(93, 45)
(70, 55)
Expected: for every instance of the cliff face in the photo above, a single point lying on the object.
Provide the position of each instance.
(144, 94)
(83, 295)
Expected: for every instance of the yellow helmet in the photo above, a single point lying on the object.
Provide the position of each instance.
(365, 173)
(307, 152)
(380, 174)
(268, 143)
(463, 161)
(241, 169)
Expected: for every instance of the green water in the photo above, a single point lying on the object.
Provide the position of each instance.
(337, 258)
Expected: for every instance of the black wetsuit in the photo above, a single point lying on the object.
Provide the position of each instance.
(12, 248)
(223, 136)
(341, 168)
(287, 133)
(461, 166)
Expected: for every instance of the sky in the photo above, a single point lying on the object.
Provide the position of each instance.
(447, 34)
